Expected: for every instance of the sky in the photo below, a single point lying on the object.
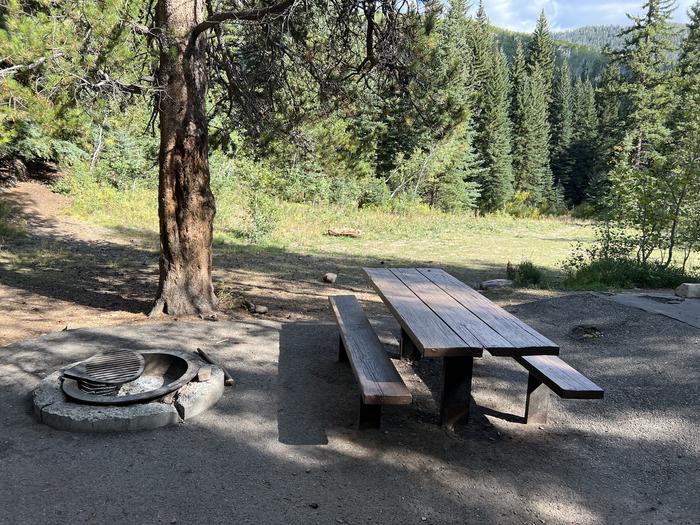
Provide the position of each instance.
(519, 15)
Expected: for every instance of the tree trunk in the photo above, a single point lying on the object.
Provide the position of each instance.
(185, 201)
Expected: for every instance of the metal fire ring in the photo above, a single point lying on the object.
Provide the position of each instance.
(72, 390)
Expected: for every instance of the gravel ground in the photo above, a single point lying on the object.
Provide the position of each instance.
(280, 447)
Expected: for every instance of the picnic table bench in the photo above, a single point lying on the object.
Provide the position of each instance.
(442, 317)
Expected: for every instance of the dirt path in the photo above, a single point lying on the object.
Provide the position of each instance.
(49, 277)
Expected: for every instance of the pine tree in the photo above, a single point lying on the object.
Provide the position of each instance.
(519, 86)
(541, 53)
(490, 113)
(497, 180)
(684, 182)
(638, 188)
(610, 134)
(533, 175)
(583, 147)
(562, 125)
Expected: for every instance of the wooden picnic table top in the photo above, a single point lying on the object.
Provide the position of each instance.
(444, 317)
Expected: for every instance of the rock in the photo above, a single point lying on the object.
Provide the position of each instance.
(204, 373)
(313, 505)
(248, 305)
(583, 332)
(330, 278)
(689, 290)
(260, 309)
(496, 283)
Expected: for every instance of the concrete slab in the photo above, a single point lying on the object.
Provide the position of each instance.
(684, 310)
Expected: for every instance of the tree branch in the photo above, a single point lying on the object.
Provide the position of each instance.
(250, 15)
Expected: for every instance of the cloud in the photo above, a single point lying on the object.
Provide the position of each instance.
(567, 14)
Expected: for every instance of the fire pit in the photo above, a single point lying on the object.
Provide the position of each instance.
(119, 380)
(128, 390)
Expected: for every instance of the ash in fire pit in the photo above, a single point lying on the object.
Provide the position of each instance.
(127, 390)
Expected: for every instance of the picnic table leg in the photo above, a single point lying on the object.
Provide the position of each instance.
(537, 402)
(408, 350)
(370, 416)
(456, 390)
(342, 353)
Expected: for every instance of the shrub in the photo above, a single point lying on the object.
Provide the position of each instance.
(626, 273)
(520, 207)
(610, 263)
(375, 192)
(263, 214)
(526, 274)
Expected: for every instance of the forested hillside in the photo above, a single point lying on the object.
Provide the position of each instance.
(584, 60)
(610, 36)
(450, 113)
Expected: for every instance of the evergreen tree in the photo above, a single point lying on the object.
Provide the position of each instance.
(646, 90)
(541, 54)
(562, 125)
(610, 134)
(583, 147)
(490, 109)
(533, 175)
(497, 180)
(684, 180)
(519, 87)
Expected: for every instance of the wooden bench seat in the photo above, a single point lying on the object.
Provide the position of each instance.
(379, 382)
(550, 372)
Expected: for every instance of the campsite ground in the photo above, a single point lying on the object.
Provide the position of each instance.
(58, 269)
(280, 446)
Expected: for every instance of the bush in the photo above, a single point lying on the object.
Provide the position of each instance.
(609, 263)
(626, 273)
(520, 207)
(375, 192)
(526, 274)
(264, 214)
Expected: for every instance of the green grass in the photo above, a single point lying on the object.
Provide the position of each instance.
(10, 227)
(422, 236)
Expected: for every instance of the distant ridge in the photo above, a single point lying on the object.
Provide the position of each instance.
(584, 61)
(600, 36)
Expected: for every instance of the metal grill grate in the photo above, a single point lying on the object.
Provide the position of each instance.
(104, 374)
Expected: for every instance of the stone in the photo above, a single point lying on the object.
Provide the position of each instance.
(204, 373)
(330, 278)
(689, 290)
(194, 398)
(260, 309)
(496, 283)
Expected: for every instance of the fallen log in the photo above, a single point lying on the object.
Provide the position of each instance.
(344, 232)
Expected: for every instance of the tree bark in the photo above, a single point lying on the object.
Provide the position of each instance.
(185, 202)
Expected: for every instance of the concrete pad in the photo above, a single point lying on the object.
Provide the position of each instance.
(684, 310)
(689, 290)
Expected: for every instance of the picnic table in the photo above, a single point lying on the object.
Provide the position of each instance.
(441, 317)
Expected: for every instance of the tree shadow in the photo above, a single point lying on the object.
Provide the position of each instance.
(281, 447)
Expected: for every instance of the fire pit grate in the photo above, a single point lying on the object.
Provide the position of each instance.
(104, 374)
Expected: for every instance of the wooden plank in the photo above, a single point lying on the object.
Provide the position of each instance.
(379, 381)
(430, 334)
(564, 380)
(524, 339)
(465, 324)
